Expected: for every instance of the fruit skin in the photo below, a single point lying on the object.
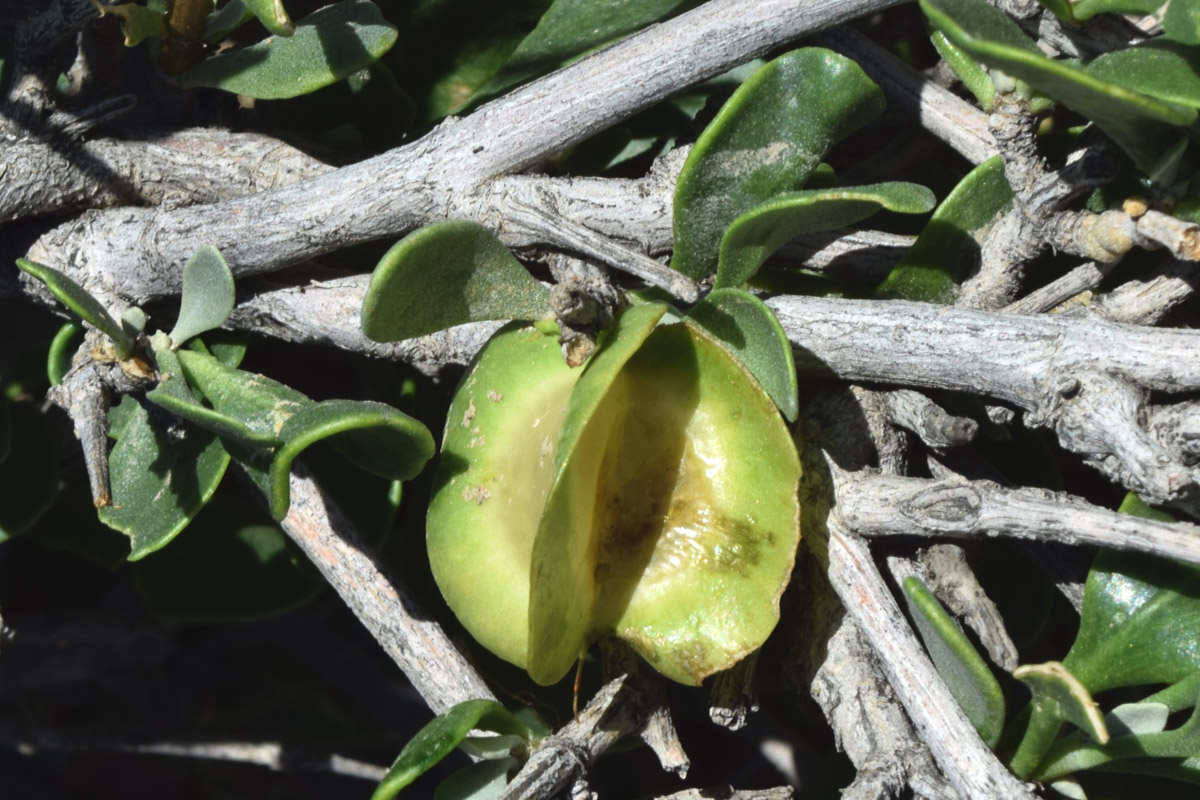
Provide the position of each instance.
(496, 467)
(651, 496)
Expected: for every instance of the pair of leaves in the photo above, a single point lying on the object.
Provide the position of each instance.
(452, 729)
(266, 425)
(326, 46)
(738, 199)
(1139, 97)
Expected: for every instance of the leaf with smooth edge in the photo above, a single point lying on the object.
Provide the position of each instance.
(570, 28)
(974, 77)
(648, 530)
(272, 15)
(1182, 22)
(495, 470)
(327, 45)
(767, 139)
(159, 482)
(1069, 756)
(446, 274)
(255, 401)
(62, 351)
(932, 268)
(437, 739)
(80, 301)
(1162, 69)
(484, 781)
(1136, 122)
(1058, 697)
(750, 331)
(376, 437)
(1086, 9)
(1060, 694)
(207, 295)
(762, 230)
(972, 684)
(174, 395)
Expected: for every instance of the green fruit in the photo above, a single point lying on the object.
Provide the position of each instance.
(650, 496)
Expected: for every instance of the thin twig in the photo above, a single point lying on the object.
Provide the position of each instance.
(417, 644)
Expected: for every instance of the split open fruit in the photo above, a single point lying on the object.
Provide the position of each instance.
(650, 495)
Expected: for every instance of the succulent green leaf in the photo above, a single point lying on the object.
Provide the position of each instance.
(446, 274)
(80, 301)
(750, 331)
(1070, 756)
(1162, 69)
(932, 268)
(1138, 625)
(1080, 10)
(376, 437)
(174, 395)
(974, 77)
(225, 20)
(496, 468)
(1060, 694)
(272, 15)
(29, 474)
(484, 781)
(62, 351)
(207, 296)
(228, 347)
(570, 28)
(1182, 21)
(232, 564)
(138, 22)
(255, 401)
(767, 139)
(1136, 122)
(970, 681)
(327, 45)
(161, 477)
(762, 230)
(437, 739)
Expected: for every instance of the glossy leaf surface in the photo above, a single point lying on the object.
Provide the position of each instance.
(446, 274)
(207, 295)
(78, 300)
(933, 267)
(328, 45)
(745, 325)
(767, 139)
(966, 674)
(161, 477)
(1136, 122)
(762, 230)
(437, 739)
